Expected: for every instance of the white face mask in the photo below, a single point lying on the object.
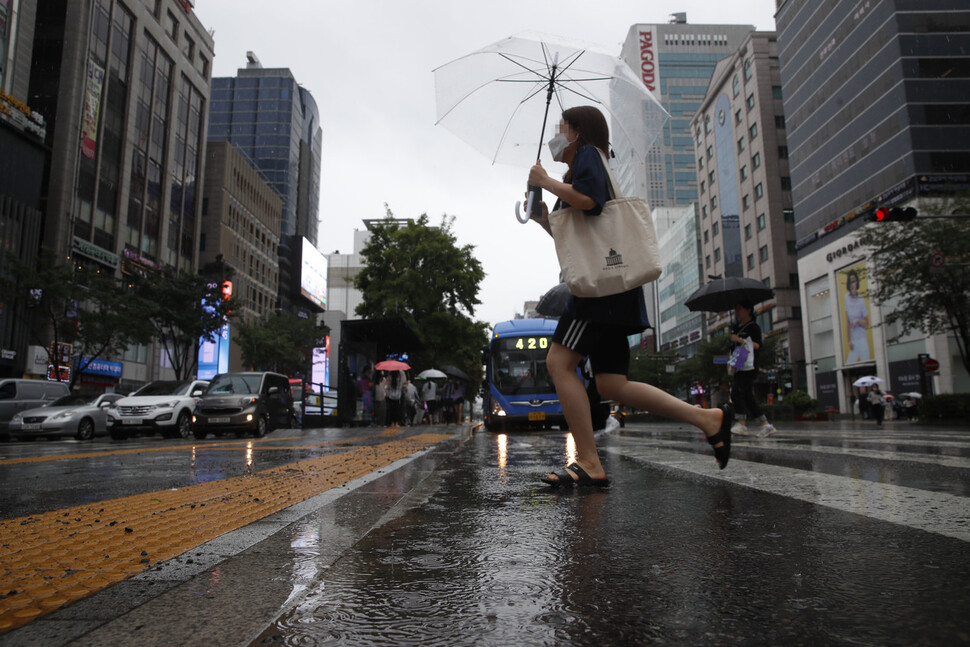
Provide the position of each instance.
(558, 145)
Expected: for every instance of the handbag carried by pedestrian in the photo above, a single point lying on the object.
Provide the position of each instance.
(611, 253)
(742, 358)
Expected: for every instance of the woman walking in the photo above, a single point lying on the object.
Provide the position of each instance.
(598, 327)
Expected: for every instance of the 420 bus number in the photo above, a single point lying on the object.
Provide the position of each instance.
(532, 343)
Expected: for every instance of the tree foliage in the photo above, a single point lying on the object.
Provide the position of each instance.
(923, 298)
(419, 273)
(57, 303)
(280, 342)
(181, 308)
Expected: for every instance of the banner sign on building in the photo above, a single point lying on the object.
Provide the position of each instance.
(854, 313)
(649, 64)
(92, 109)
(101, 367)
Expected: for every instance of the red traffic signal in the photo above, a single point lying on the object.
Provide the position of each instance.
(894, 214)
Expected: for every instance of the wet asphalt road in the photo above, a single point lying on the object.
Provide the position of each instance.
(824, 534)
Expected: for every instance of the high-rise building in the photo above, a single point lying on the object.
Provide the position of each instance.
(124, 89)
(875, 95)
(675, 61)
(747, 223)
(678, 330)
(275, 122)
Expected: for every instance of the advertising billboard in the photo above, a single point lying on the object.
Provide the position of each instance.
(214, 354)
(313, 274)
(854, 314)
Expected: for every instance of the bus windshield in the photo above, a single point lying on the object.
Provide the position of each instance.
(519, 365)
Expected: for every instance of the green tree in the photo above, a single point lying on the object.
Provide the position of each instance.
(181, 308)
(419, 273)
(58, 303)
(921, 297)
(279, 342)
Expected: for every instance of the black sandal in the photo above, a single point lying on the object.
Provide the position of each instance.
(582, 477)
(723, 453)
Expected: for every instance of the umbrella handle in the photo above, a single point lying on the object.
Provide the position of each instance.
(535, 195)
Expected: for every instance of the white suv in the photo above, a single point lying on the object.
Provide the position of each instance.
(164, 407)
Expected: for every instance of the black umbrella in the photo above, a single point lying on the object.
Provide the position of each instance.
(553, 302)
(723, 294)
(454, 371)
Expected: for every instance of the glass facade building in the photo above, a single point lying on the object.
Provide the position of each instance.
(275, 122)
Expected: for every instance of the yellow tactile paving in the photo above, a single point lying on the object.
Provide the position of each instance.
(55, 558)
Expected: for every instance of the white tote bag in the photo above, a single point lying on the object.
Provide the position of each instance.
(610, 253)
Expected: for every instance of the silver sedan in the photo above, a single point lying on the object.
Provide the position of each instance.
(79, 415)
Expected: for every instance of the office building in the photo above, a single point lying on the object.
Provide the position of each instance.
(875, 95)
(275, 122)
(678, 330)
(747, 223)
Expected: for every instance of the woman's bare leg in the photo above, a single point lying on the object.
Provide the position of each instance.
(617, 387)
(562, 363)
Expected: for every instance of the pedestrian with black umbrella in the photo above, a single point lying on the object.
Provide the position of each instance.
(744, 330)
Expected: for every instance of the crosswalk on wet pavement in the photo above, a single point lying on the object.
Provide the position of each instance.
(822, 534)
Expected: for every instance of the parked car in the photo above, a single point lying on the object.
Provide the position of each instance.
(244, 403)
(82, 415)
(158, 407)
(19, 395)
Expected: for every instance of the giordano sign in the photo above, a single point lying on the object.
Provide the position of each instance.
(96, 253)
(842, 251)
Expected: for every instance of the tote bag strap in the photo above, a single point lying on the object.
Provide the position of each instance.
(614, 187)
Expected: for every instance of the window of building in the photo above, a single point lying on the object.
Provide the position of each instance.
(782, 152)
(171, 26)
(717, 255)
(750, 261)
(737, 116)
(785, 183)
(700, 163)
(767, 282)
(707, 262)
(779, 121)
(746, 201)
(736, 85)
(188, 47)
(704, 211)
(759, 191)
(791, 247)
(747, 231)
(703, 186)
(710, 176)
(776, 92)
(710, 152)
(707, 123)
(789, 215)
(750, 101)
(761, 221)
(763, 253)
(713, 202)
(741, 144)
(793, 280)
(716, 228)
(748, 69)
(756, 160)
(744, 172)
(753, 130)
(707, 237)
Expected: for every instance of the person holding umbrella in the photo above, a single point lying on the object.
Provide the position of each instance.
(598, 327)
(742, 389)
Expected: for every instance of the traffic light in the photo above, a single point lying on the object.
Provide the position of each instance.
(894, 214)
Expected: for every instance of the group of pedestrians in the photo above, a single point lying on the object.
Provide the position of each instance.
(393, 399)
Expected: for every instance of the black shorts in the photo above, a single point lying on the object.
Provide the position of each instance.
(605, 345)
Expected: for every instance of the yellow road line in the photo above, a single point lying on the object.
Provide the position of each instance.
(55, 558)
(390, 431)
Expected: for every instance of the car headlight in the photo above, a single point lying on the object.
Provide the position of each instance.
(248, 400)
(166, 405)
(62, 415)
(17, 417)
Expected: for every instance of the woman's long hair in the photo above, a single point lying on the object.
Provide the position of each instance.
(591, 126)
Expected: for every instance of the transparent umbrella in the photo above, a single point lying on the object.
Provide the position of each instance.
(497, 99)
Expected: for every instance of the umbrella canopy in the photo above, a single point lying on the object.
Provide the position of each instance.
(392, 365)
(454, 371)
(553, 302)
(912, 394)
(723, 294)
(431, 373)
(868, 380)
(497, 99)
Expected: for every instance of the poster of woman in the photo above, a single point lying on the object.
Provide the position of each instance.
(854, 311)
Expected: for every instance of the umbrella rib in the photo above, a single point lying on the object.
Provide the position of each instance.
(524, 67)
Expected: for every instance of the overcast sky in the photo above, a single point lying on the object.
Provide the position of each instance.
(368, 64)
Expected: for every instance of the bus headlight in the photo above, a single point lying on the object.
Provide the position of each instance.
(497, 409)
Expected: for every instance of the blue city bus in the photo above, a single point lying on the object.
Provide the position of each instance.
(518, 392)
